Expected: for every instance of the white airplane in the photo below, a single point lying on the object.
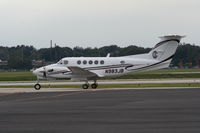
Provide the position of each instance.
(92, 68)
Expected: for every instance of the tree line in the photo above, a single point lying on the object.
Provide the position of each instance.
(21, 56)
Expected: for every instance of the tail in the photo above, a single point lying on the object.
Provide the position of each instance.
(166, 48)
(162, 53)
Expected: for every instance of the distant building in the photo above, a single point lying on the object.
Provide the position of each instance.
(3, 63)
(38, 63)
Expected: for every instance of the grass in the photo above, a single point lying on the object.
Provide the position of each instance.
(17, 76)
(158, 74)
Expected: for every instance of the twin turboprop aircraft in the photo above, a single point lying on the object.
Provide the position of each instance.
(92, 68)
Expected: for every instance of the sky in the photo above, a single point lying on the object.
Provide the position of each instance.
(97, 23)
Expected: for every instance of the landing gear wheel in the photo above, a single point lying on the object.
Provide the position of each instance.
(37, 86)
(94, 86)
(85, 86)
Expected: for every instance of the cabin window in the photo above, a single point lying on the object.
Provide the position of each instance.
(78, 62)
(66, 62)
(96, 62)
(122, 62)
(102, 62)
(90, 62)
(84, 62)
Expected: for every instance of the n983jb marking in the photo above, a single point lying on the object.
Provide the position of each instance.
(92, 68)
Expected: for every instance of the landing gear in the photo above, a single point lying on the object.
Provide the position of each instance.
(37, 86)
(94, 86)
(85, 86)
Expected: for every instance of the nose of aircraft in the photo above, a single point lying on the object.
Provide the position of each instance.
(37, 71)
(51, 69)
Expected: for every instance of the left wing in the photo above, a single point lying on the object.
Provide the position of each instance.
(78, 72)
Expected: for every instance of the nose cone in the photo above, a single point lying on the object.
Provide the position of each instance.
(36, 72)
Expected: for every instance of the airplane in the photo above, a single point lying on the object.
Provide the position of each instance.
(93, 68)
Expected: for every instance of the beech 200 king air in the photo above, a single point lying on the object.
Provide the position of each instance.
(92, 68)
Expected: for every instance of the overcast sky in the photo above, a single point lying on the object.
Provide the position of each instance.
(96, 23)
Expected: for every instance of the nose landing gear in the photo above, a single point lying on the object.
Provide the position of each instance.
(37, 86)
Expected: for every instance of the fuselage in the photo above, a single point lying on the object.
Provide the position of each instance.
(102, 66)
(92, 68)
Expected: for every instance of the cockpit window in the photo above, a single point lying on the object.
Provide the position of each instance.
(122, 62)
(60, 62)
(66, 62)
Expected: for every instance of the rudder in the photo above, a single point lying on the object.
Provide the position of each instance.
(166, 48)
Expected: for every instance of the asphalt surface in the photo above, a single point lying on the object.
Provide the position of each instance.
(102, 111)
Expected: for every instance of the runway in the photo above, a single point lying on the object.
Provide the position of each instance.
(97, 111)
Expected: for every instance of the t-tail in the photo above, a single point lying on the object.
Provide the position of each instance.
(161, 54)
(164, 51)
(166, 48)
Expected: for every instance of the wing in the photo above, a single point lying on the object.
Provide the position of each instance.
(78, 72)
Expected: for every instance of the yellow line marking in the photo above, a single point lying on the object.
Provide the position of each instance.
(42, 97)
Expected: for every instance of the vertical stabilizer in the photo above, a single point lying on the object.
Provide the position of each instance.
(166, 48)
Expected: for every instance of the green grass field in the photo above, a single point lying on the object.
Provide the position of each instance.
(165, 73)
(17, 76)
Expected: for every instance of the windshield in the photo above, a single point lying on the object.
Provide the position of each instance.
(60, 62)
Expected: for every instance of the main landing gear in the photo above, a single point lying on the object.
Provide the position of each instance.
(94, 86)
(86, 85)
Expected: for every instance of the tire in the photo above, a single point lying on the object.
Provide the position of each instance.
(85, 86)
(37, 86)
(94, 86)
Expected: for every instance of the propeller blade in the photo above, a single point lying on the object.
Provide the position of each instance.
(44, 74)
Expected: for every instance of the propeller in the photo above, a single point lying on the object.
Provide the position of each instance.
(44, 73)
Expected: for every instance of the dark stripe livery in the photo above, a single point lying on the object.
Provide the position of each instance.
(107, 67)
(154, 64)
